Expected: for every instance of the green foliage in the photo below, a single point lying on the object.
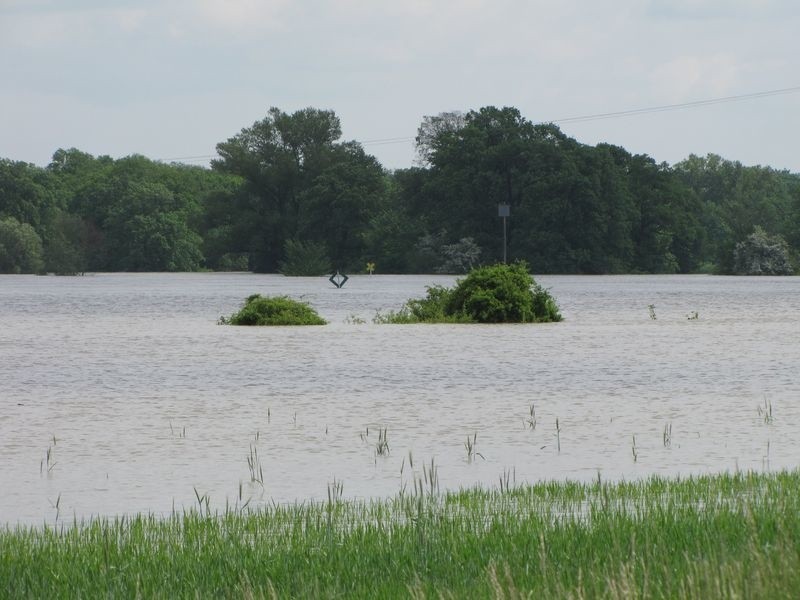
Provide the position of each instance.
(431, 309)
(66, 245)
(276, 310)
(498, 293)
(233, 261)
(762, 254)
(502, 293)
(20, 247)
(305, 259)
(26, 193)
(300, 183)
(159, 242)
(575, 208)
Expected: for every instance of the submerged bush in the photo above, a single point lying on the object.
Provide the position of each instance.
(494, 294)
(762, 254)
(430, 309)
(276, 310)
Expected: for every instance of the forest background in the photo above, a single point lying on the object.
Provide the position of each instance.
(288, 195)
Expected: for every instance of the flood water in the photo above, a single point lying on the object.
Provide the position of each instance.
(120, 394)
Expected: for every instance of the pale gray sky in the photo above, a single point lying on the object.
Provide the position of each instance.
(172, 78)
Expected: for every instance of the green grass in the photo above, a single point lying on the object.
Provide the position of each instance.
(707, 537)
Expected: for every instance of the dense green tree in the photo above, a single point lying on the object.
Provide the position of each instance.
(303, 185)
(476, 163)
(288, 183)
(26, 193)
(792, 229)
(146, 230)
(571, 210)
(139, 215)
(734, 199)
(67, 245)
(20, 247)
(665, 231)
(394, 230)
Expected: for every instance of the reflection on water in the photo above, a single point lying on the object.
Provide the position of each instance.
(141, 399)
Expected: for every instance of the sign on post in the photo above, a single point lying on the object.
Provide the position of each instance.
(504, 211)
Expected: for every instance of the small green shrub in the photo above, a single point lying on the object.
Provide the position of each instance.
(234, 261)
(430, 309)
(494, 294)
(276, 310)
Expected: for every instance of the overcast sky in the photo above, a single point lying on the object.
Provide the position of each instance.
(172, 78)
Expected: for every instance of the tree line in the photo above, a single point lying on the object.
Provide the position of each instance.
(288, 195)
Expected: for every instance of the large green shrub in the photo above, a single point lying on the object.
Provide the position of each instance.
(498, 293)
(276, 310)
(502, 293)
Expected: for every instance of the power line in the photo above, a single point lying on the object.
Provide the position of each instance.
(387, 140)
(202, 157)
(680, 106)
(577, 119)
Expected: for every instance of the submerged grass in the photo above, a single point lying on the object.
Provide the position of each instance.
(734, 535)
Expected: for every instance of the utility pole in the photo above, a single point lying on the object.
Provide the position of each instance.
(504, 211)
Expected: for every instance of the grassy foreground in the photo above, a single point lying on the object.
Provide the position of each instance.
(708, 537)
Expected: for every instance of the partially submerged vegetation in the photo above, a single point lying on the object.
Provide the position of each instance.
(275, 310)
(731, 535)
(498, 293)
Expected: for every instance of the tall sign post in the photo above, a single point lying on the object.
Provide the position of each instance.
(504, 211)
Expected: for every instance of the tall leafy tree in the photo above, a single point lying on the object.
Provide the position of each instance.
(20, 247)
(734, 199)
(302, 184)
(26, 193)
(571, 210)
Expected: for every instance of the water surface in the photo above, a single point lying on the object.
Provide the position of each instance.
(141, 398)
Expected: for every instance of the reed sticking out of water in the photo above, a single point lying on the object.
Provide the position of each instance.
(335, 491)
(633, 449)
(652, 310)
(57, 506)
(507, 480)
(558, 436)
(382, 445)
(470, 445)
(181, 433)
(531, 422)
(203, 500)
(429, 482)
(765, 412)
(48, 463)
(254, 464)
(667, 435)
